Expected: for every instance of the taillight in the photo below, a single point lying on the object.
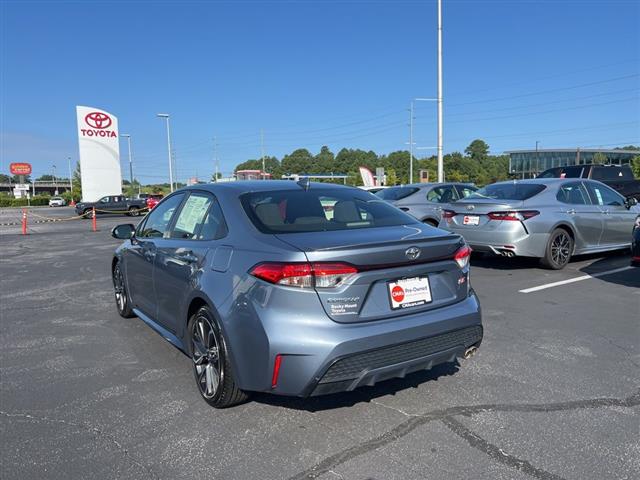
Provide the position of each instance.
(462, 256)
(514, 215)
(448, 214)
(304, 275)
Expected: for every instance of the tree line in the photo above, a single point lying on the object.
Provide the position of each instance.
(476, 164)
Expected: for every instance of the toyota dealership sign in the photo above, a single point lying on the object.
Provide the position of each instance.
(99, 153)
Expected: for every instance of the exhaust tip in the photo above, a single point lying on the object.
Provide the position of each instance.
(470, 352)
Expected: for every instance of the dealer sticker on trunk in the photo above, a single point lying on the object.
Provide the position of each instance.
(409, 292)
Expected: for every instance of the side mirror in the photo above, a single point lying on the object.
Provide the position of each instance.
(123, 232)
(630, 202)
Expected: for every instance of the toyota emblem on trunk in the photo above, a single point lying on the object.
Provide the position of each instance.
(412, 253)
(470, 207)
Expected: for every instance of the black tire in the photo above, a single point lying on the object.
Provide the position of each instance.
(211, 364)
(123, 303)
(430, 221)
(559, 250)
(87, 213)
(133, 212)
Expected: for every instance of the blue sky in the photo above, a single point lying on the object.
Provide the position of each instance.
(313, 73)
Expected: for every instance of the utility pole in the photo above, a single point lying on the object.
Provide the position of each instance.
(70, 174)
(128, 137)
(166, 117)
(215, 158)
(440, 157)
(262, 149)
(411, 143)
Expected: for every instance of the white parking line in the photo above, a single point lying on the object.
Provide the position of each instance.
(573, 280)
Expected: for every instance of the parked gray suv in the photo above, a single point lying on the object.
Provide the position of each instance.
(295, 289)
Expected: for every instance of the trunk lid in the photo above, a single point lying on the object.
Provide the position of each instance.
(479, 208)
(380, 254)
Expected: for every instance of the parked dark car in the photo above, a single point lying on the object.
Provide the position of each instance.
(112, 204)
(618, 177)
(426, 201)
(268, 290)
(635, 244)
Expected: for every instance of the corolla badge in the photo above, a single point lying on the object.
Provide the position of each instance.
(470, 207)
(412, 253)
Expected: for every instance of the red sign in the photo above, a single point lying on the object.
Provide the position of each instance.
(397, 293)
(20, 168)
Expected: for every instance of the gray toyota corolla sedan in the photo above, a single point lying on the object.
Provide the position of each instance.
(425, 201)
(296, 289)
(551, 219)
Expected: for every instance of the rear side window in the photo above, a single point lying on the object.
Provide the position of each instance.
(464, 190)
(509, 191)
(442, 195)
(156, 225)
(611, 173)
(396, 193)
(320, 209)
(573, 193)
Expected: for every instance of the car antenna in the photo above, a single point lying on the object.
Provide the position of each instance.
(304, 183)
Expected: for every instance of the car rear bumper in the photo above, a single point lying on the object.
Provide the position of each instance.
(506, 241)
(320, 356)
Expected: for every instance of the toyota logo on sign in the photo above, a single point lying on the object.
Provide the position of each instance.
(98, 120)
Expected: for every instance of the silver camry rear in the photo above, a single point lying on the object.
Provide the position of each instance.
(550, 219)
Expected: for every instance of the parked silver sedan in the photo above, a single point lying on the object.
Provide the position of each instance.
(425, 201)
(550, 219)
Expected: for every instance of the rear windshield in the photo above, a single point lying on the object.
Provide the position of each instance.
(319, 210)
(508, 191)
(563, 172)
(396, 193)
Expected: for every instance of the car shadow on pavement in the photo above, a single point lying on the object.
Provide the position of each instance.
(627, 278)
(362, 394)
(496, 262)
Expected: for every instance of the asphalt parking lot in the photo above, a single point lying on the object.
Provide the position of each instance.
(552, 393)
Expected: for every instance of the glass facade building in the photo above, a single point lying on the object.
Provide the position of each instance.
(528, 163)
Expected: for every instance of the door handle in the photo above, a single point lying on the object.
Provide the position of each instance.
(187, 256)
(571, 211)
(605, 212)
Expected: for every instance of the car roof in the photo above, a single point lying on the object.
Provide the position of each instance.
(244, 186)
(431, 184)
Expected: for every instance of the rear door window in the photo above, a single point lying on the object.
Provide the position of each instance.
(442, 195)
(573, 193)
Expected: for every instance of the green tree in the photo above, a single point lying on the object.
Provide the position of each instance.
(5, 178)
(600, 158)
(477, 150)
(76, 192)
(298, 161)
(392, 178)
(635, 166)
(324, 161)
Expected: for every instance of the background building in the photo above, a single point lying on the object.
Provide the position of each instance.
(528, 163)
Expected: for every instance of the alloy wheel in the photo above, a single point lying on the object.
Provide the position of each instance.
(205, 354)
(561, 249)
(120, 292)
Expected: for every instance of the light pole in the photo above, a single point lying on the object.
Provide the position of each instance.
(440, 158)
(70, 175)
(166, 117)
(419, 99)
(128, 137)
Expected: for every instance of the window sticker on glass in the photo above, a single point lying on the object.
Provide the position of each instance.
(599, 195)
(192, 213)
